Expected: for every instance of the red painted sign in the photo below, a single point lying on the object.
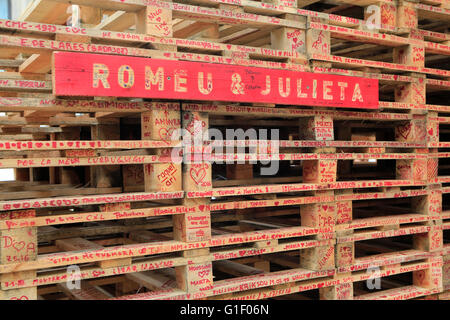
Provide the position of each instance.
(79, 74)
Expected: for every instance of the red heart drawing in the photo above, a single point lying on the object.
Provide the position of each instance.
(201, 274)
(165, 134)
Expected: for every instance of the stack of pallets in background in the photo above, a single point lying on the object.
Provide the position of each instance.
(357, 209)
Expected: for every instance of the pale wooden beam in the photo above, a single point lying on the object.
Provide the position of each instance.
(37, 63)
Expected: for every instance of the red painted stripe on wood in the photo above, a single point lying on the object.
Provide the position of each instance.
(79, 74)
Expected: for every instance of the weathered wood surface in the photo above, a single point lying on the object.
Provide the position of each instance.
(95, 75)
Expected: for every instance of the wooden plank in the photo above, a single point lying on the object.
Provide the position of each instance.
(380, 39)
(154, 281)
(37, 63)
(18, 245)
(234, 191)
(172, 210)
(385, 220)
(136, 250)
(188, 12)
(261, 111)
(361, 236)
(386, 259)
(64, 191)
(258, 204)
(75, 244)
(125, 5)
(283, 290)
(86, 292)
(82, 161)
(15, 45)
(45, 11)
(235, 285)
(22, 85)
(65, 121)
(403, 293)
(156, 264)
(195, 226)
(10, 63)
(71, 200)
(236, 269)
(118, 21)
(250, 6)
(83, 145)
(133, 38)
(432, 12)
(353, 63)
(51, 104)
(16, 137)
(160, 125)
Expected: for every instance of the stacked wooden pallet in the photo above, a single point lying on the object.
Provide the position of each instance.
(355, 211)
